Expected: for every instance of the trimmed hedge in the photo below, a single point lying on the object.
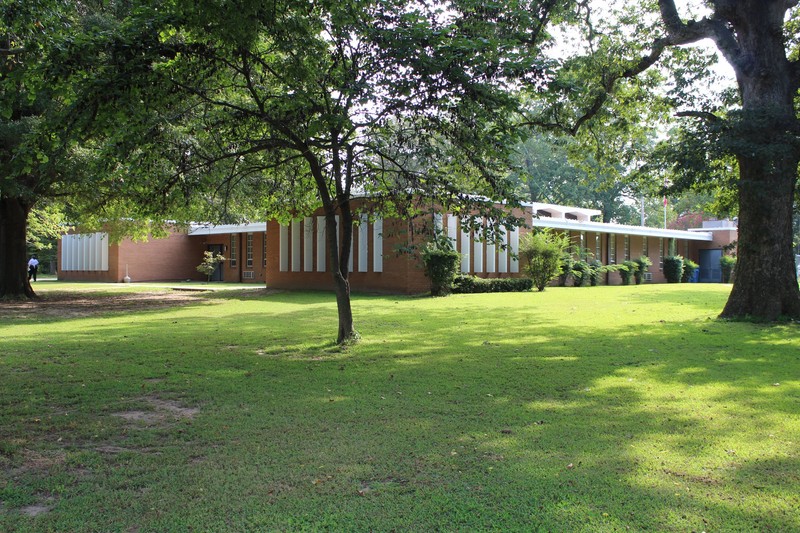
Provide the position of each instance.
(473, 284)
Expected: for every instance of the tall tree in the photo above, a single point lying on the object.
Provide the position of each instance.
(314, 104)
(758, 39)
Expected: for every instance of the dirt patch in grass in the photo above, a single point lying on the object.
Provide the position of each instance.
(72, 305)
(162, 413)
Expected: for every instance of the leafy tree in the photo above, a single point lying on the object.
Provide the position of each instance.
(543, 251)
(441, 264)
(294, 105)
(46, 224)
(747, 136)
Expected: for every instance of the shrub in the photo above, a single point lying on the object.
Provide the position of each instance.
(596, 272)
(209, 264)
(441, 264)
(581, 272)
(627, 270)
(727, 263)
(542, 251)
(689, 267)
(673, 268)
(474, 284)
(567, 266)
(643, 264)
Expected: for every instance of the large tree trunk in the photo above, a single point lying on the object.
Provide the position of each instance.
(13, 252)
(765, 286)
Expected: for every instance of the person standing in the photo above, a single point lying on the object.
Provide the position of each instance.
(33, 268)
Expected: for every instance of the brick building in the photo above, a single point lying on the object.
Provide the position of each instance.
(294, 256)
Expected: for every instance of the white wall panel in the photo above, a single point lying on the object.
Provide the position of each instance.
(308, 244)
(465, 251)
(283, 250)
(296, 245)
(377, 245)
(502, 256)
(363, 244)
(491, 257)
(452, 229)
(514, 245)
(321, 244)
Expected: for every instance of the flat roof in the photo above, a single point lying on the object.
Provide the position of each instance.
(211, 229)
(621, 229)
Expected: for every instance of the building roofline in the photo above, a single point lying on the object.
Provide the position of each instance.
(212, 229)
(621, 229)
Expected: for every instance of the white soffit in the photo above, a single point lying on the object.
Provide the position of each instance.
(620, 229)
(211, 229)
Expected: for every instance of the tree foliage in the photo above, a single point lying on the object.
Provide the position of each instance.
(542, 252)
(741, 144)
(272, 110)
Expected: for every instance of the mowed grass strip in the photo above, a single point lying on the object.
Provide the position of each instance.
(575, 409)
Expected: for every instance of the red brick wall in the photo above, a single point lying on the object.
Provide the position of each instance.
(173, 258)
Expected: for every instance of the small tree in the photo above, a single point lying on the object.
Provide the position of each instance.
(689, 267)
(441, 264)
(209, 264)
(596, 271)
(673, 268)
(627, 270)
(543, 252)
(643, 264)
(727, 264)
(581, 273)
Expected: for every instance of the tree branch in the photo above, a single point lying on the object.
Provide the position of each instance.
(704, 115)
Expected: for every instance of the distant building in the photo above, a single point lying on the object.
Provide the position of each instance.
(295, 255)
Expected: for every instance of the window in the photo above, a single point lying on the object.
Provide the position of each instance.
(645, 247)
(612, 249)
(264, 243)
(249, 250)
(583, 243)
(233, 253)
(661, 254)
(627, 247)
(598, 252)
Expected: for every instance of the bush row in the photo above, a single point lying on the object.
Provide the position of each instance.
(473, 284)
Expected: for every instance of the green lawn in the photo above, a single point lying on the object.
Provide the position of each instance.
(576, 409)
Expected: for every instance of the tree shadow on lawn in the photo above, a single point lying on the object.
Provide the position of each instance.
(454, 420)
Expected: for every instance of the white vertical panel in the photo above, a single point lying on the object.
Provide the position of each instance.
(452, 229)
(321, 244)
(98, 251)
(104, 253)
(377, 245)
(363, 244)
(477, 249)
(87, 251)
(64, 263)
(502, 260)
(283, 250)
(308, 244)
(514, 250)
(465, 246)
(83, 252)
(296, 244)
(353, 238)
(77, 252)
(491, 256)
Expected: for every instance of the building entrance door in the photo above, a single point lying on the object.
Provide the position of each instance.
(216, 249)
(710, 270)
